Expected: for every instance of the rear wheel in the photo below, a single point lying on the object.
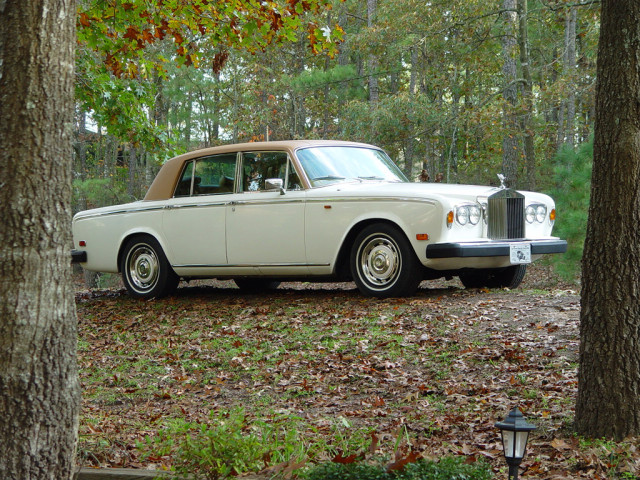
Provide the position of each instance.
(145, 269)
(383, 263)
(509, 277)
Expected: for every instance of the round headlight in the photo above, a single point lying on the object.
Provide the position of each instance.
(541, 213)
(530, 214)
(474, 214)
(462, 215)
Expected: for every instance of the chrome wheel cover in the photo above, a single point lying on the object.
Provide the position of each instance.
(143, 268)
(379, 261)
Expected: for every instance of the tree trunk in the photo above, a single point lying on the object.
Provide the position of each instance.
(510, 150)
(215, 127)
(133, 161)
(39, 391)
(411, 141)
(527, 94)
(569, 107)
(608, 402)
(374, 95)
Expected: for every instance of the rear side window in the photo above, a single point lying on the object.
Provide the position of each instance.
(208, 176)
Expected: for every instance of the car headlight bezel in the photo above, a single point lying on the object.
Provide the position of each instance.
(462, 215)
(530, 214)
(468, 214)
(535, 213)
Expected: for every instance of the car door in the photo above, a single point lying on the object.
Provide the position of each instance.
(265, 225)
(194, 219)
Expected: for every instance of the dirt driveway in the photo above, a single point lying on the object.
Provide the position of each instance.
(431, 373)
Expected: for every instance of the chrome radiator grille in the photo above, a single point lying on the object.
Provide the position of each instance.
(505, 212)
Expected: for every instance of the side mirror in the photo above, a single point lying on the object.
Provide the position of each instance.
(274, 184)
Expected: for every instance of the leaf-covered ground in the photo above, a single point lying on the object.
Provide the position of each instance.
(432, 373)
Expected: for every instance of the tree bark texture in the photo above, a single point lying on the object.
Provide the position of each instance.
(568, 130)
(372, 61)
(510, 143)
(527, 95)
(608, 402)
(39, 392)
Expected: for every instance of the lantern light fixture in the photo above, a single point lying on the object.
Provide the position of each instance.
(515, 432)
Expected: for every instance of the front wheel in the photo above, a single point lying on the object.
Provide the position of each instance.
(383, 263)
(145, 269)
(509, 277)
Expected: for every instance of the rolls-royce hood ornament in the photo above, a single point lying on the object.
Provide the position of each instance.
(502, 179)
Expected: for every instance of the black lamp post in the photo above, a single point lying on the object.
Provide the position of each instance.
(515, 433)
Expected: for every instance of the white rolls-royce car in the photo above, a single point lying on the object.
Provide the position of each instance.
(260, 213)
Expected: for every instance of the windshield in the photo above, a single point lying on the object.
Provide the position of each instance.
(327, 165)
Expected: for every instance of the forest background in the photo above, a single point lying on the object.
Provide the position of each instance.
(464, 89)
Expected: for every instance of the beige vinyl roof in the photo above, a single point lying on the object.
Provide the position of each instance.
(165, 182)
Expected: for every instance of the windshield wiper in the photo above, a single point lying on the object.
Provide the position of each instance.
(373, 177)
(328, 177)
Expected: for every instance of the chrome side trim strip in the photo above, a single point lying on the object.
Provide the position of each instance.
(261, 202)
(238, 265)
(372, 199)
(195, 205)
(120, 212)
(268, 202)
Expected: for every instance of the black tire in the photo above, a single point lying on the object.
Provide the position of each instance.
(256, 285)
(145, 269)
(383, 263)
(509, 277)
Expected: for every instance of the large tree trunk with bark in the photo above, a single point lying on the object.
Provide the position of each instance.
(608, 401)
(527, 95)
(510, 143)
(39, 392)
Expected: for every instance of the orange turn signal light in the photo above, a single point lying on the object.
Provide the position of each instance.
(422, 236)
(450, 218)
(552, 215)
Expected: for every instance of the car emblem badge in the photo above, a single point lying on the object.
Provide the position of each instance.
(502, 178)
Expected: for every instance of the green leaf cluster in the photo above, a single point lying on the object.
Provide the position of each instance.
(98, 192)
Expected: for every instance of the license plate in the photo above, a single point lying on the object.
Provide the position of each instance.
(520, 253)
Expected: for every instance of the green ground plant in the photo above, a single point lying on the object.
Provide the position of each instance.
(447, 468)
(219, 449)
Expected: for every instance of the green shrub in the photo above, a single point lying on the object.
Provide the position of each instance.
(448, 468)
(212, 451)
(572, 191)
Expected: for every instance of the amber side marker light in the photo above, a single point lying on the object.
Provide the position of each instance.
(552, 215)
(422, 236)
(449, 218)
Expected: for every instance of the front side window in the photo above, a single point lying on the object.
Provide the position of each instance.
(258, 167)
(207, 176)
